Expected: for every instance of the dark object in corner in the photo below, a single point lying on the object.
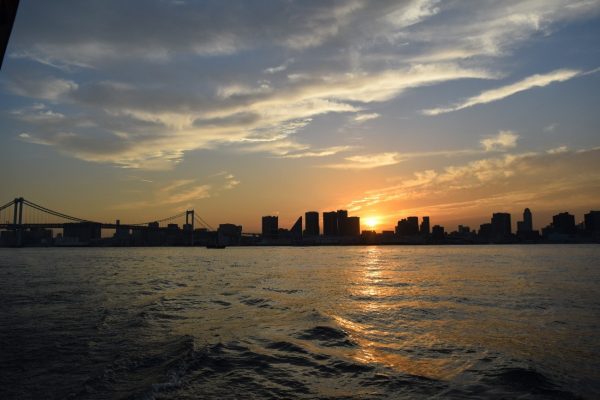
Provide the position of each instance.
(8, 12)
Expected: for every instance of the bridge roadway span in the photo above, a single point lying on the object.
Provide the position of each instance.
(103, 226)
(61, 225)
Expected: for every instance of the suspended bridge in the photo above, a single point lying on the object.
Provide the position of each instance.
(21, 216)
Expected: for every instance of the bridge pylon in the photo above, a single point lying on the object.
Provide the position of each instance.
(18, 221)
(189, 220)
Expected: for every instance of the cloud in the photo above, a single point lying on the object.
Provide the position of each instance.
(279, 68)
(491, 29)
(323, 152)
(503, 140)
(368, 161)
(230, 182)
(91, 35)
(197, 192)
(557, 150)
(500, 93)
(209, 75)
(364, 117)
(550, 128)
(326, 24)
(542, 179)
(49, 88)
(188, 190)
(177, 194)
(413, 12)
(152, 128)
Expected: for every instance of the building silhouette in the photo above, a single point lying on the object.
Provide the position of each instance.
(122, 236)
(338, 229)
(270, 226)
(338, 224)
(527, 224)
(591, 222)
(485, 232)
(296, 231)
(438, 234)
(564, 223)
(424, 229)
(463, 230)
(330, 224)
(525, 231)
(408, 227)
(311, 223)
(229, 234)
(501, 226)
(352, 226)
(342, 220)
(82, 232)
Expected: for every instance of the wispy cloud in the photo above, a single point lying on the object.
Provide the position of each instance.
(364, 117)
(557, 150)
(499, 142)
(310, 60)
(230, 182)
(279, 68)
(323, 152)
(196, 192)
(545, 177)
(503, 140)
(49, 88)
(368, 161)
(488, 96)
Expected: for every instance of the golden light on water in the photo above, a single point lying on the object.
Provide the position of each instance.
(376, 283)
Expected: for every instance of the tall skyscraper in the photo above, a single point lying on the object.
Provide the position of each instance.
(330, 223)
(525, 231)
(501, 225)
(270, 226)
(352, 227)
(311, 223)
(527, 224)
(342, 219)
(528, 220)
(424, 230)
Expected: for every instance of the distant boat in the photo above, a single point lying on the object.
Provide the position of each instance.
(215, 246)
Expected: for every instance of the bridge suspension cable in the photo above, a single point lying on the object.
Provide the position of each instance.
(39, 210)
(55, 213)
(10, 203)
(203, 222)
(181, 214)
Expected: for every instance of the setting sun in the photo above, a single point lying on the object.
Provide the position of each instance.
(371, 222)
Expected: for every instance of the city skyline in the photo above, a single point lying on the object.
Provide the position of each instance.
(23, 222)
(384, 109)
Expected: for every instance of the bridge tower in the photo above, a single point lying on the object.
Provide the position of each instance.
(189, 220)
(18, 220)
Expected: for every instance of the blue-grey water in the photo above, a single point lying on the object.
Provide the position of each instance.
(300, 322)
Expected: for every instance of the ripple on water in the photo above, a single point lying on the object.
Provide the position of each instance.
(326, 336)
(301, 324)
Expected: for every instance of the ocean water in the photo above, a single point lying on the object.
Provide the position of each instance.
(301, 322)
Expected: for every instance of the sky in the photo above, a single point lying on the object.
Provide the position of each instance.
(137, 110)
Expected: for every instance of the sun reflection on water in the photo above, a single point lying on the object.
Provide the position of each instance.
(380, 289)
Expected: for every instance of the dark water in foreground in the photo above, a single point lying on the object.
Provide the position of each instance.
(327, 322)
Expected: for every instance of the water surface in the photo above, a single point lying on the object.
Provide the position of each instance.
(301, 322)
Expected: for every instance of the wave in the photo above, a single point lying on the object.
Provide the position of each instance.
(327, 336)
